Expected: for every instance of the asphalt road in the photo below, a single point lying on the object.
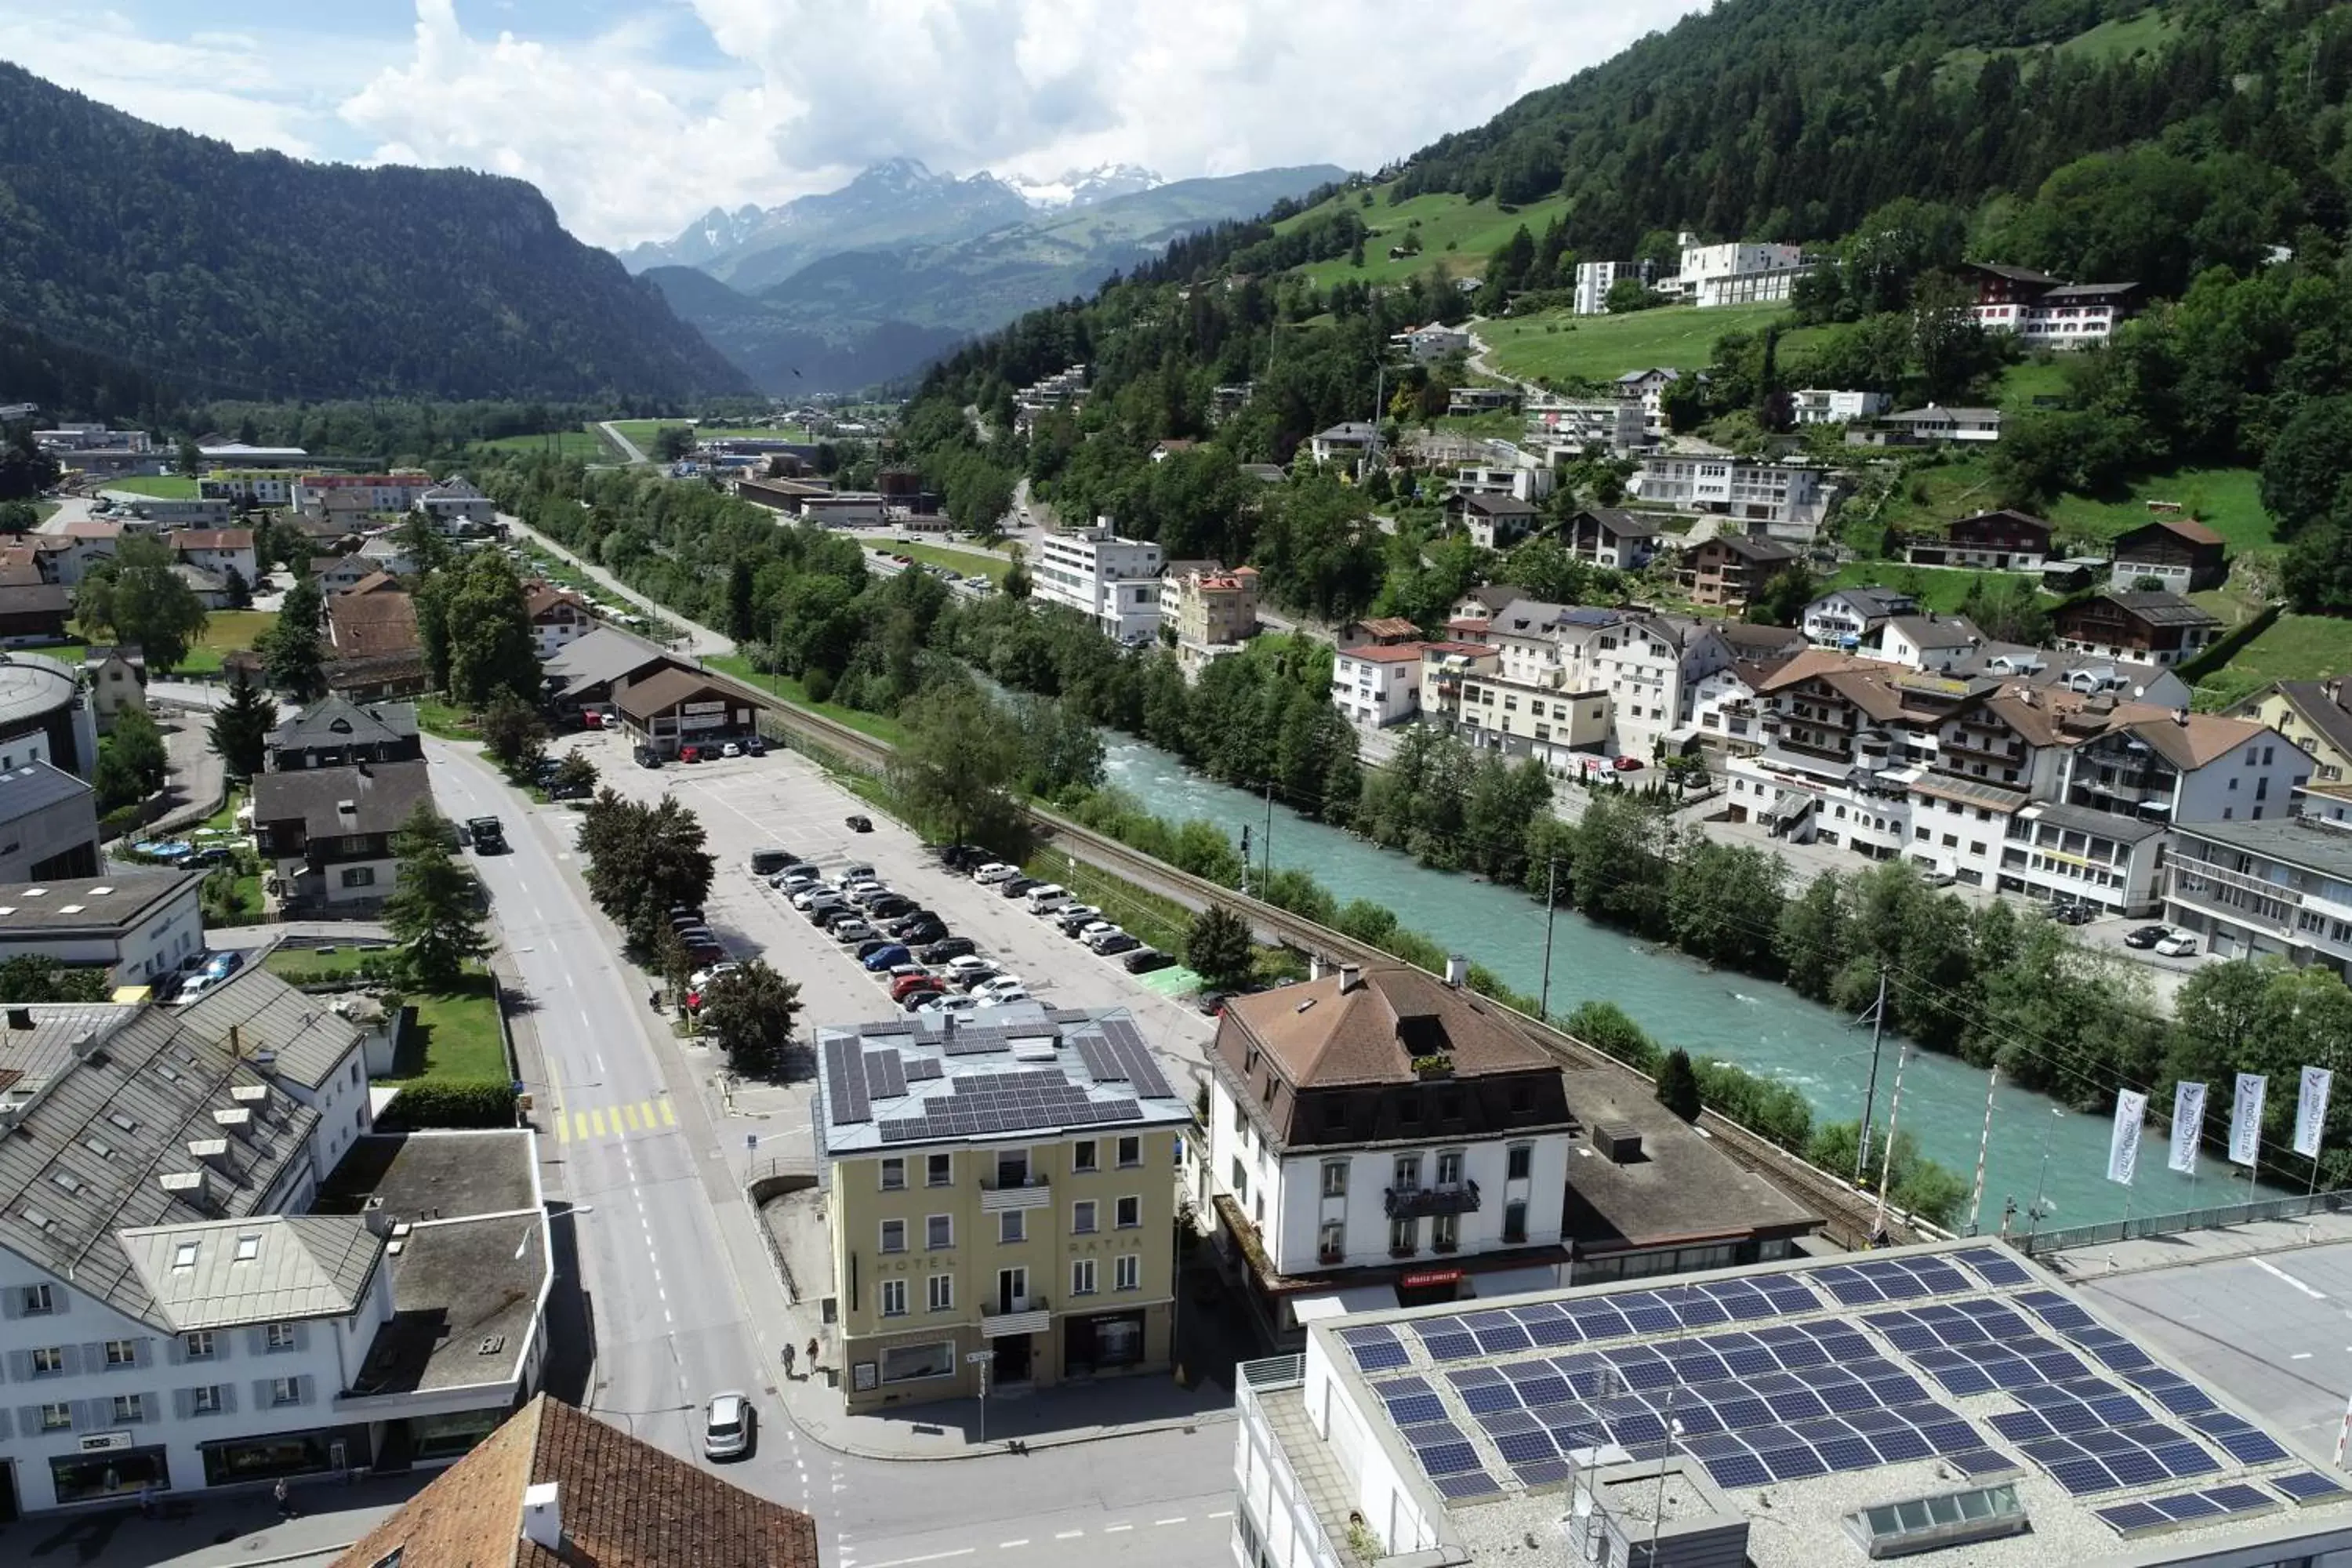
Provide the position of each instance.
(612, 434)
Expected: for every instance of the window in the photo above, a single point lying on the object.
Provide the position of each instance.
(894, 1235)
(121, 1353)
(894, 1297)
(285, 1391)
(1331, 1244)
(1404, 1237)
(48, 1361)
(1012, 1224)
(1082, 1217)
(1130, 1213)
(906, 1363)
(1449, 1168)
(198, 1345)
(1082, 1276)
(1446, 1232)
(359, 876)
(1408, 1173)
(1241, 1120)
(205, 1401)
(1409, 1109)
(130, 1407)
(939, 1231)
(278, 1337)
(1083, 1156)
(1335, 1178)
(1128, 1272)
(37, 1300)
(1518, 1161)
(56, 1417)
(939, 1172)
(894, 1174)
(1515, 1220)
(1130, 1152)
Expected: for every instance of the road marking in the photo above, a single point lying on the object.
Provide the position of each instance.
(630, 1112)
(1068, 1534)
(1115, 1529)
(1223, 1514)
(597, 1119)
(646, 1108)
(1009, 1545)
(580, 1123)
(669, 1117)
(562, 1129)
(1178, 1520)
(2300, 1355)
(2267, 1266)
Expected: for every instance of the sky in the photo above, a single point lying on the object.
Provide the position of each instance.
(637, 118)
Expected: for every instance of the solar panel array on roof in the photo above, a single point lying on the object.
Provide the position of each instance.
(2307, 1487)
(2116, 1458)
(845, 1079)
(2151, 1516)
(1135, 1052)
(1552, 1324)
(1005, 1103)
(1994, 1266)
(1891, 1279)
(886, 1074)
(1102, 1062)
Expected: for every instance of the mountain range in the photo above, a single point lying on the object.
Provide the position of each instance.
(254, 275)
(867, 283)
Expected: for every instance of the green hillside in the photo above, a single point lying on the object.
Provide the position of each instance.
(1455, 233)
(1561, 348)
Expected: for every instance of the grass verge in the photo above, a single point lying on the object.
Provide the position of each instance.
(1561, 348)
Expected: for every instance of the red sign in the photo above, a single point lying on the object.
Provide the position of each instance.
(1430, 1277)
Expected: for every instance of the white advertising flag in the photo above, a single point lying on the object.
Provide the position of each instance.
(2188, 1126)
(2310, 1110)
(2123, 1144)
(2246, 1119)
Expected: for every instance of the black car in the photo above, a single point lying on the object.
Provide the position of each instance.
(831, 918)
(1144, 960)
(2073, 914)
(889, 907)
(648, 758)
(768, 862)
(1113, 946)
(1076, 919)
(2147, 936)
(949, 947)
(754, 747)
(859, 823)
(1016, 887)
(962, 857)
(928, 930)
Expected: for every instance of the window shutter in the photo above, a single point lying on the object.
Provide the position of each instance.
(4, 1422)
(183, 1403)
(302, 1336)
(228, 1398)
(254, 1343)
(176, 1349)
(20, 1366)
(93, 1356)
(85, 1414)
(71, 1356)
(60, 1300)
(12, 1301)
(28, 1416)
(305, 1387)
(142, 1351)
(261, 1393)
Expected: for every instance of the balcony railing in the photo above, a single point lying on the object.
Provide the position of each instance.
(1404, 1249)
(1413, 1202)
(1446, 1244)
(1029, 1192)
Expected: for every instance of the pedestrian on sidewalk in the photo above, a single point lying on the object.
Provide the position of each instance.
(788, 1360)
(812, 1354)
(284, 1497)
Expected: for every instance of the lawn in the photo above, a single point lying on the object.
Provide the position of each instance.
(1474, 230)
(2151, 29)
(969, 562)
(581, 445)
(1559, 347)
(643, 431)
(2027, 380)
(163, 487)
(1937, 588)
(2296, 648)
(786, 688)
(1937, 491)
(454, 1035)
(2227, 500)
(226, 632)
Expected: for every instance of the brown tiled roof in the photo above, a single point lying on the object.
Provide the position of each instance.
(664, 690)
(363, 625)
(374, 583)
(213, 539)
(1383, 653)
(624, 1504)
(2186, 529)
(541, 597)
(1389, 626)
(1323, 1037)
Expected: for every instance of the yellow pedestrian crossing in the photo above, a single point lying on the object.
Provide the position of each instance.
(615, 1121)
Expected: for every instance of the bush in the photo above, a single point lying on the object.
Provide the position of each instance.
(466, 1102)
(1606, 1026)
(1771, 1110)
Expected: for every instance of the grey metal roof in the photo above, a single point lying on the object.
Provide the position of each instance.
(34, 787)
(107, 902)
(2161, 609)
(270, 1269)
(31, 686)
(2082, 819)
(256, 1011)
(381, 795)
(91, 1156)
(340, 721)
(2296, 840)
(603, 657)
(30, 1057)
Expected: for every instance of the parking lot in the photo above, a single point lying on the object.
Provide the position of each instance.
(783, 801)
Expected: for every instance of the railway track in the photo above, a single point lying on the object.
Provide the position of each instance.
(1849, 1214)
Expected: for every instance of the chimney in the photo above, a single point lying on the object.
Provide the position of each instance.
(1457, 971)
(377, 1218)
(542, 1516)
(1351, 975)
(1314, 966)
(20, 1017)
(237, 1041)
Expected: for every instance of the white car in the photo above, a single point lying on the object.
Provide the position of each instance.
(971, 963)
(728, 1425)
(702, 977)
(798, 879)
(939, 1004)
(819, 900)
(2180, 944)
(1005, 999)
(730, 750)
(1093, 929)
(995, 871)
(849, 933)
(994, 989)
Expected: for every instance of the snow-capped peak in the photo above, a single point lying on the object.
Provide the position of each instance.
(1082, 187)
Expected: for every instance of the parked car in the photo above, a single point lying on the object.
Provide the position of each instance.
(221, 965)
(754, 747)
(689, 753)
(1045, 898)
(917, 934)
(835, 919)
(809, 895)
(858, 871)
(1092, 929)
(920, 981)
(730, 1426)
(960, 968)
(731, 749)
(648, 758)
(795, 880)
(973, 980)
(768, 862)
(919, 999)
(1073, 919)
(896, 953)
(889, 905)
(195, 985)
(948, 1002)
(864, 892)
(2073, 914)
(995, 871)
(949, 949)
(2147, 936)
(702, 977)
(2180, 944)
(912, 917)
(1017, 886)
(1005, 999)
(859, 823)
(961, 857)
(851, 932)
(872, 945)
(1144, 960)
(818, 902)
(1938, 878)
(1115, 943)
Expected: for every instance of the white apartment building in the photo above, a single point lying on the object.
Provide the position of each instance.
(1701, 263)
(1434, 342)
(2281, 888)
(1790, 500)
(1564, 429)
(1377, 685)
(137, 925)
(1382, 1133)
(1823, 406)
(1638, 668)
(1850, 617)
(372, 493)
(1113, 581)
(1594, 280)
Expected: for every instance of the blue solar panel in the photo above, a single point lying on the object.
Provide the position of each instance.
(2250, 1447)
(1795, 1464)
(1411, 1407)
(1379, 1357)
(2055, 1309)
(1447, 1459)
(1429, 1433)
(1553, 1332)
(1449, 1347)
(1482, 1398)
(1524, 1447)
(2174, 1392)
(2135, 1470)
(2150, 1514)
(2188, 1506)
(2021, 1425)
(2184, 1459)
(2306, 1486)
(1993, 1266)
(1462, 1487)
(1982, 1462)
(2127, 1516)
(2082, 1477)
(1738, 1470)
(1543, 1473)
(1500, 1422)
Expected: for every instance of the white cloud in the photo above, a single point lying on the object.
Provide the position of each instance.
(628, 145)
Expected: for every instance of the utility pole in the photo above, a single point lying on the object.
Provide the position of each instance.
(1870, 1093)
(1551, 888)
(1886, 1165)
(1266, 843)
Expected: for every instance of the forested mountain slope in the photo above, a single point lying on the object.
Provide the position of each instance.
(257, 274)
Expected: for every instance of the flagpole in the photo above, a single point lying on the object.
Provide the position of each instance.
(1984, 1143)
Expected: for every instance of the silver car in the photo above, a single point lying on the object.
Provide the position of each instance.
(729, 1422)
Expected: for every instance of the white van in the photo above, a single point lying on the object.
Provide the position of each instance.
(1045, 901)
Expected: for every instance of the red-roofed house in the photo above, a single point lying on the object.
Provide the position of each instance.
(558, 617)
(1377, 684)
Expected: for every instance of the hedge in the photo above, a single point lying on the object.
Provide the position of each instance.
(464, 1103)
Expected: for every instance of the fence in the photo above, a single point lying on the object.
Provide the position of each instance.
(2214, 1219)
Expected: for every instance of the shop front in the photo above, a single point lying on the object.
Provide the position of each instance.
(1104, 1343)
(108, 1465)
(318, 1451)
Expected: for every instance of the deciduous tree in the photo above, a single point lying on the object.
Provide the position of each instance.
(137, 598)
(752, 1011)
(1218, 947)
(292, 656)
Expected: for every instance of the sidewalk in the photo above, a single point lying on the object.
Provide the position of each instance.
(2140, 1255)
(232, 1527)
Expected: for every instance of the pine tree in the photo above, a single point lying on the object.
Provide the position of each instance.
(240, 729)
(433, 911)
(1678, 1085)
(291, 653)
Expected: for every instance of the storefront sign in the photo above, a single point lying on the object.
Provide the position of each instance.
(702, 721)
(703, 708)
(1430, 1277)
(98, 1442)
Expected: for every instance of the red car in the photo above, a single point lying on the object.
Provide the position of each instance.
(689, 753)
(592, 719)
(907, 983)
(1629, 764)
